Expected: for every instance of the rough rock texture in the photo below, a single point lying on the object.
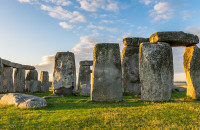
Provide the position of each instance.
(156, 71)
(179, 89)
(130, 71)
(191, 63)
(23, 100)
(175, 38)
(64, 77)
(44, 78)
(33, 86)
(1, 77)
(134, 41)
(19, 80)
(84, 76)
(8, 79)
(32, 75)
(85, 90)
(86, 63)
(16, 65)
(106, 75)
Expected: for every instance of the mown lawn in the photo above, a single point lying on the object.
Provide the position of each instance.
(78, 112)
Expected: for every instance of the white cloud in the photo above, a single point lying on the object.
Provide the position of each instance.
(194, 30)
(65, 25)
(146, 2)
(25, 1)
(109, 29)
(162, 11)
(94, 5)
(107, 21)
(60, 2)
(46, 65)
(60, 13)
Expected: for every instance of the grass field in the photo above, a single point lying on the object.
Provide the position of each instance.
(77, 112)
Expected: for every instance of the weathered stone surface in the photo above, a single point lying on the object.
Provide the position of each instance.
(23, 100)
(7, 63)
(33, 86)
(174, 38)
(156, 71)
(32, 75)
(191, 63)
(106, 75)
(130, 71)
(85, 90)
(134, 41)
(1, 77)
(64, 77)
(179, 89)
(86, 63)
(19, 80)
(8, 79)
(44, 78)
(84, 76)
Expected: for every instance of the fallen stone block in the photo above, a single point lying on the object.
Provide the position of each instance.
(22, 100)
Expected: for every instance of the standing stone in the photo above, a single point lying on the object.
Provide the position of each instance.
(32, 75)
(33, 86)
(84, 75)
(106, 74)
(191, 63)
(1, 77)
(19, 80)
(8, 79)
(130, 65)
(64, 77)
(175, 38)
(44, 78)
(85, 90)
(156, 71)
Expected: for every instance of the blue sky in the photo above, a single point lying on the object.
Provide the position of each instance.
(32, 31)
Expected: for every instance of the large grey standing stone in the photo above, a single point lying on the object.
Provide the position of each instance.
(44, 78)
(175, 38)
(32, 75)
(191, 63)
(156, 71)
(1, 77)
(22, 100)
(64, 77)
(84, 75)
(106, 74)
(8, 79)
(130, 65)
(85, 90)
(19, 80)
(33, 86)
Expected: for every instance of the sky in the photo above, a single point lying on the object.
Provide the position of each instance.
(33, 31)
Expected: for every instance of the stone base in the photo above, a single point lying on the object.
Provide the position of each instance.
(133, 89)
(64, 91)
(85, 90)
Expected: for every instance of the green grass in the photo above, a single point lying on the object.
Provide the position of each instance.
(77, 112)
